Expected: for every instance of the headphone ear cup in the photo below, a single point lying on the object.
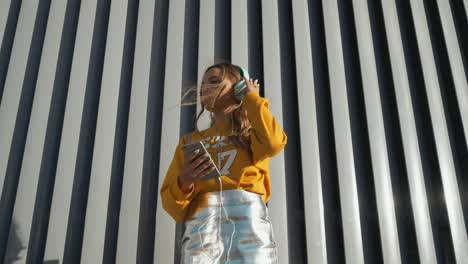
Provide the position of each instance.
(241, 85)
(244, 73)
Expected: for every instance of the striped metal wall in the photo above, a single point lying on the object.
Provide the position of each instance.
(373, 96)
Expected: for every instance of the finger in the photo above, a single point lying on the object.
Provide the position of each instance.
(207, 171)
(195, 162)
(204, 169)
(195, 155)
(203, 163)
(201, 159)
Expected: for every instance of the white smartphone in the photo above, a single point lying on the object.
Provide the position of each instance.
(190, 148)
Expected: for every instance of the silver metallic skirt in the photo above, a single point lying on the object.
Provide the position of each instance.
(239, 233)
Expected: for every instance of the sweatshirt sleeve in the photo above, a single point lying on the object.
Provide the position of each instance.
(267, 137)
(174, 201)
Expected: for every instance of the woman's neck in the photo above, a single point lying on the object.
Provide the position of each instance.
(222, 122)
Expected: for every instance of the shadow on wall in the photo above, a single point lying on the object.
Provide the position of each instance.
(15, 247)
(14, 244)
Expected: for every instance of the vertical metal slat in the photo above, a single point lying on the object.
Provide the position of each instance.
(29, 176)
(14, 80)
(206, 49)
(344, 149)
(165, 225)
(63, 185)
(239, 33)
(100, 177)
(378, 145)
(456, 61)
(439, 124)
(4, 10)
(311, 178)
(131, 187)
(272, 76)
(409, 136)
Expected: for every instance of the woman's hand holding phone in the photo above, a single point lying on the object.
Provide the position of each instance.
(196, 166)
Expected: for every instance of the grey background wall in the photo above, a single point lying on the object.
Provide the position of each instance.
(373, 96)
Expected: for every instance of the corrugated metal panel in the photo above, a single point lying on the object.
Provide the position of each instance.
(372, 94)
(377, 141)
(314, 221)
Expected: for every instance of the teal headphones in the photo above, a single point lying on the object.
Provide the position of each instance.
(240, 86)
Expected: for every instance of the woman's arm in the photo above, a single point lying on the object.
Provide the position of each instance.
(174, 200)
(267, 137)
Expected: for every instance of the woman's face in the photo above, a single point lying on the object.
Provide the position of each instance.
(211, 83)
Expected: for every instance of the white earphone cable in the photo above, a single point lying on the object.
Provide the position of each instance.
(222, 204)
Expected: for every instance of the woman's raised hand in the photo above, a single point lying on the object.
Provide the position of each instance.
(252, 85)
(196, 166)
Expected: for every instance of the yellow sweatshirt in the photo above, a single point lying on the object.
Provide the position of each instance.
(239, 169)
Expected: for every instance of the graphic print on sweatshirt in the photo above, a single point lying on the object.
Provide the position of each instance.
(227, 156)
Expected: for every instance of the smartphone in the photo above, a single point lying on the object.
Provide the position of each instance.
(190, 148)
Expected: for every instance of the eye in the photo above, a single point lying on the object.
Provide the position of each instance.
(211, 83)
(213, 80)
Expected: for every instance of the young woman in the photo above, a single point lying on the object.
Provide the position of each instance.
(226, 219)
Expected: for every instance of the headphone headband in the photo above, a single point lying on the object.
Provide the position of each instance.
(244, 72)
